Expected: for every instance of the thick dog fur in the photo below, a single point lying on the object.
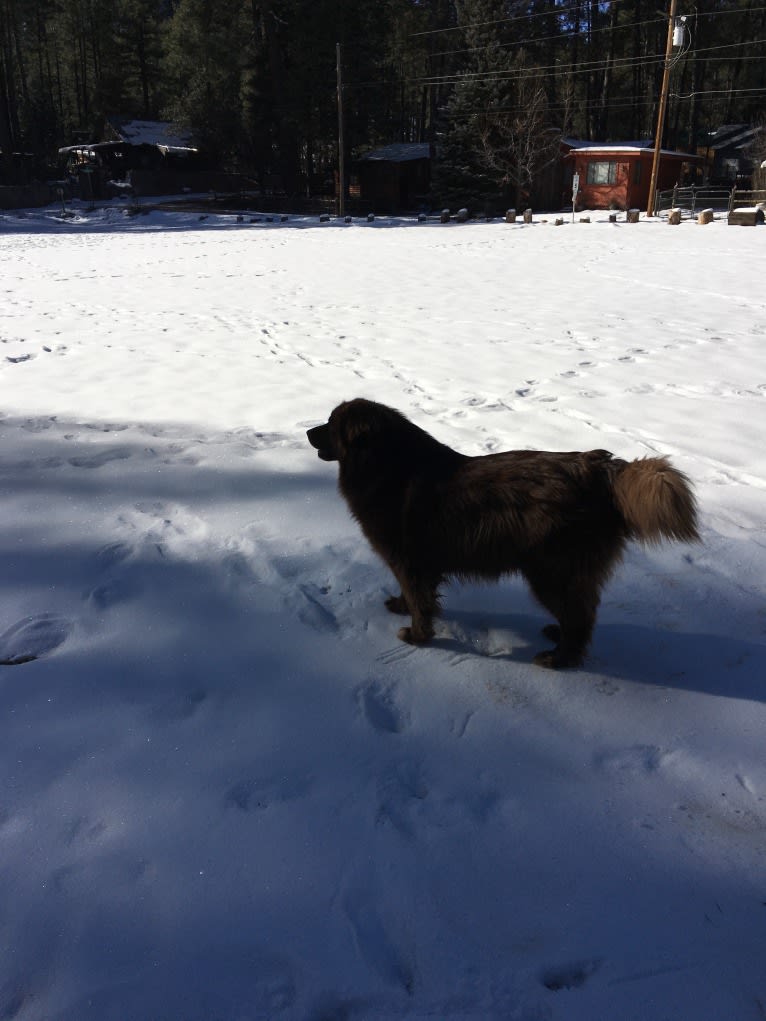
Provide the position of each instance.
(562, 520)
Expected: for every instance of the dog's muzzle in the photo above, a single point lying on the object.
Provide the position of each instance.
(319, 438)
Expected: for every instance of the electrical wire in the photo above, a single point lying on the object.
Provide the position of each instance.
(582, 67)
(547, 38)
(715, 92)
(565, 10)
(503, 21)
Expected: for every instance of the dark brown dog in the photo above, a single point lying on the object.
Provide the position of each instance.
(562, 520)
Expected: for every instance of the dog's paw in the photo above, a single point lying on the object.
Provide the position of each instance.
(413, 637)
(547, 659)
(397, 604)
(555, 659)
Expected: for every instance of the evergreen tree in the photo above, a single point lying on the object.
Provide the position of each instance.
(205, 60)
(255, 79)
(140, 49)
(467, 170)
(498, 132)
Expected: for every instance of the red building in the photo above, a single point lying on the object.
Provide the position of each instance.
(618, 176)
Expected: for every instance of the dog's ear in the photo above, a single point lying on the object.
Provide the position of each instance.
(356, 428)
(360, 426)
(347, 425)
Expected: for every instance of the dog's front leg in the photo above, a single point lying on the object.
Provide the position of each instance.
(419, 598)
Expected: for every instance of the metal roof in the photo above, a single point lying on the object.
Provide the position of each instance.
(630, 150)
(163, 134)
(400, 152)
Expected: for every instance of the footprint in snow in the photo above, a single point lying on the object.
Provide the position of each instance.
(376, 945)
(237, 569)
(112, 593)
(116, 589)
(640, 758)
(102, 458)
(36, 425)
(32, 638)
(168, 527)
(380, 709)
(400, 797)
(112, 554)
(569, 976)
(81, 829)
(107, 427)
(181, 706)
(314, 613)
(253, 795)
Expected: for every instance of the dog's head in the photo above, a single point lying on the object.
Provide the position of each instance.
(320, 438)
(352, 425)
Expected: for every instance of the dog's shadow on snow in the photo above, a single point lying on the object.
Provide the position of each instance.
(681, 660)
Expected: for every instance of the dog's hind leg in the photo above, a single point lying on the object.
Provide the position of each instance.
(575, 632)
(574, 605)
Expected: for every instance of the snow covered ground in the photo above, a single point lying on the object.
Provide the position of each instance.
(227, 792)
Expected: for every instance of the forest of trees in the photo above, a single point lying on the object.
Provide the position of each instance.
(493, 83)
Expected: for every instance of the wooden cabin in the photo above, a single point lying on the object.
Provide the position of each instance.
(396, 178)
(148, 157)
(618, 176)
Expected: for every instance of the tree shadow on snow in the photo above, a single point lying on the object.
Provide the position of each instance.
(146, 218)
(156, 720)
(155, 478)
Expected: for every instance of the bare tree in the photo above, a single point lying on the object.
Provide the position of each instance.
(516, 143)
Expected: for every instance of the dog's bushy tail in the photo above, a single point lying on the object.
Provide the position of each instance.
(656, 500)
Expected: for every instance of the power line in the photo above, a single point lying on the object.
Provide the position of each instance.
(520, 77)
(586, 67)
(503, 21)
(557, 12)
(526, 73)
(623, 103)
(533, 71)
(547, 38)
(715, 92)
(721, 14)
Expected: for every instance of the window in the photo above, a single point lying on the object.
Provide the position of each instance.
(602, 172)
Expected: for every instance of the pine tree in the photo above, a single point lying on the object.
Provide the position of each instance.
(205, 60)
(463, 174)
(497, 133)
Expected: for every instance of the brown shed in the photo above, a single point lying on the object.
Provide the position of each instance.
(396, 178)
(618, 176)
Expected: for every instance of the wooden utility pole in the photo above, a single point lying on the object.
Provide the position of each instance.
(341, 162)
(650, 209)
